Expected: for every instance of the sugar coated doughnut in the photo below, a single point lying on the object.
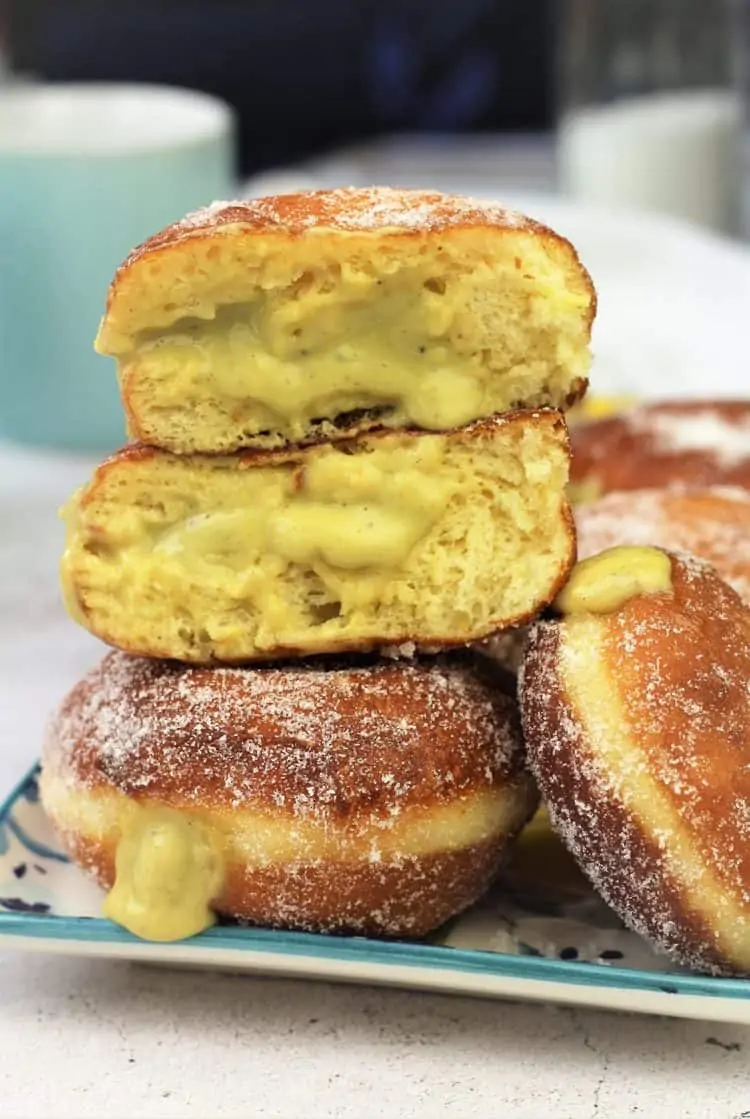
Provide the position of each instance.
(636, 713)
(374, 798)
(676, 443)
(712, 523)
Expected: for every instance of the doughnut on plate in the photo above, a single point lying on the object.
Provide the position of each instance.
(712, 522)
(637, 724)
(376, 798)
(538, 935)
(675, 443)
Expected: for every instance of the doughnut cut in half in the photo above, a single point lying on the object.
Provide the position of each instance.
(319, 315)
(397, 538)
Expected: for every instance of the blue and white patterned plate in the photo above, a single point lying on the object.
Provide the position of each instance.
(548, 940)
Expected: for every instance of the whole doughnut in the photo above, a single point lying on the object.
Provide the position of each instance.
(637, 723)
(374, 798)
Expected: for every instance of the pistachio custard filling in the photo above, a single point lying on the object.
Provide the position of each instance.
(605, 582)
(408, 347)
(168, 869)
(351, 513)
(293, 362)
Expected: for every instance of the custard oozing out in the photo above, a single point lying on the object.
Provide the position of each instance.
(168, 870)
(605, 582)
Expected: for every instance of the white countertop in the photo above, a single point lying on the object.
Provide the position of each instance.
(90, 1038)
(100, 1039)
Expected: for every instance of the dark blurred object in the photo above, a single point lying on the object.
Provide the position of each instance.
(624, 48)
(649, 113)
(304, 75)
(741, 38)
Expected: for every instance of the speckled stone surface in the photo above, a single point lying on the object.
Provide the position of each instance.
(86, 1038)
(81, 1038)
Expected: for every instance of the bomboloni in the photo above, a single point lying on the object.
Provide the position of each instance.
(636, 714)
(398, 537)
(372, 798)
(314, 316)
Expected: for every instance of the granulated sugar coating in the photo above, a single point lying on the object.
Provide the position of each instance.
(376, 799)
(638, 731)
(712, 523)
(349, 209)
(723, 437)
(676, 443)
(312, 740)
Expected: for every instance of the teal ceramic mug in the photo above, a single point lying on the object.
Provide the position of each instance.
(86, 173)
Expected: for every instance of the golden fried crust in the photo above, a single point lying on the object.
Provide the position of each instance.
(597, 829)
(372, 798)
(712, 523)
(258, 457)
(406, 899)
(166, 731)
(686, 443)
(374, 212)
(638, 730)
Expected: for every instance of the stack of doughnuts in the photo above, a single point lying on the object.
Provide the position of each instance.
(348, 458)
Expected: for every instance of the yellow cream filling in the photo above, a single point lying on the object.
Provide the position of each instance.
(351, 520)
(290, 361)
(349, 512)
(605, 582)
(168, 870)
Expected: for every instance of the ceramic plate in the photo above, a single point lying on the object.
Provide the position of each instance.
(540, 935)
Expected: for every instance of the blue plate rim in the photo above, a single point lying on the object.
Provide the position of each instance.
(384, 953)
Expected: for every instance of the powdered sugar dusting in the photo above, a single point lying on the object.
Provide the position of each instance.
(677, 443)
(713, 523)
(357, 208)
(207, 214)
(704, 429)
(680, 671)
(348, 209)
(305, 739)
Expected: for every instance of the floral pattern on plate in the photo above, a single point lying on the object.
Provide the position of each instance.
(540, 906)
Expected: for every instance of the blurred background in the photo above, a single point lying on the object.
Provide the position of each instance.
(623, 123)
(308, 79)
(624, 105)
